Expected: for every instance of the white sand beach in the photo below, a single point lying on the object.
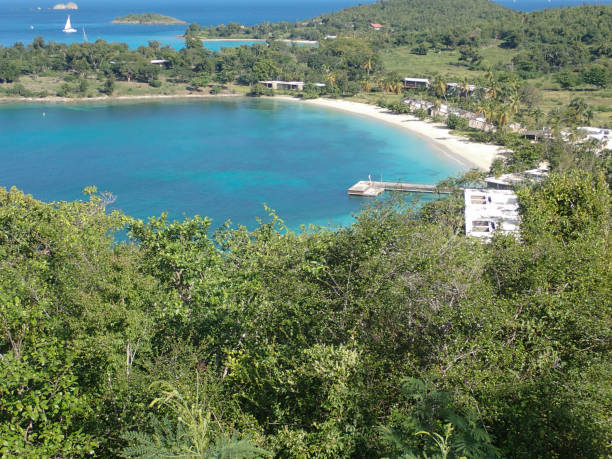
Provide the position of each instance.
(471, 154)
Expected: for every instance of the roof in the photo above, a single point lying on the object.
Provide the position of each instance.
(514, 179)
(281, 82)
(490, 211)
(376, 25)
(417, 80)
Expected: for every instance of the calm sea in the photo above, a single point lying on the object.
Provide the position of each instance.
(22, 20)
(220, 158)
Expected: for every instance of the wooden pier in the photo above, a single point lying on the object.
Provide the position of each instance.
(371, 188)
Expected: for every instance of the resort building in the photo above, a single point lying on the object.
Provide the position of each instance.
(456, 88)
(488, 211)
(480, 123)
(602, 135)
(416, 83)
(418, 104)
(510, 181)
(288, 85)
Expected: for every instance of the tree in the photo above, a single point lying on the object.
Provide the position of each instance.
(109, 86)
(200, 81)
(578, 112)
(265, 69)
(597, 75)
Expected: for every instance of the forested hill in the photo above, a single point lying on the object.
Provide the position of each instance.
(424, 15)
(448, 22)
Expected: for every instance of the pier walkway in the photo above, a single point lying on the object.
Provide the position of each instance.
(372, 188)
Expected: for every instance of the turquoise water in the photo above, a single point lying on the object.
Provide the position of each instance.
(220, 158)
(21, 20)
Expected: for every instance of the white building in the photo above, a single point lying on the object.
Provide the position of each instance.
(602, 135)
(510, 181)
(291, 85)
(488, 211)
(416, 83)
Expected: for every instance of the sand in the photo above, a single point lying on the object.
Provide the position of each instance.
(471, 154)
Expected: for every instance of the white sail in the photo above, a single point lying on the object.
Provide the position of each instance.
(68, 27)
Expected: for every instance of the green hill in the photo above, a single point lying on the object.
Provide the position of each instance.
(148, 19)
(422, 15)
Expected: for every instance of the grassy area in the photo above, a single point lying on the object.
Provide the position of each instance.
(50, 86)
(446, 63)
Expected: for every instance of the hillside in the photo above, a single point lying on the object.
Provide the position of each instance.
(423, 15)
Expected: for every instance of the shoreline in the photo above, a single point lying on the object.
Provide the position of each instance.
(469, 153)
(84, 100)
(233, 39)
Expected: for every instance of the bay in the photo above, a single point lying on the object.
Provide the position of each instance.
(219, 158)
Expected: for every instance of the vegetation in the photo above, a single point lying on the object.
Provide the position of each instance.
(397, 337)
(147, 19)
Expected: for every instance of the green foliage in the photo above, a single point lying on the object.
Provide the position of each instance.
(433, 410)
(42, 406)
(196, 435)
(456, 122)
(597, 75)
(109, 86)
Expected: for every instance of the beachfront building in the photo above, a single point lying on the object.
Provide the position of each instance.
(510, 181)
(480, 123)
(286, 85)
(456, 89)
(418, 104)
(604, 136)
(416, 83)
(490, 211)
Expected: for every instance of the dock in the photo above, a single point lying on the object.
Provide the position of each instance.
(371, 188)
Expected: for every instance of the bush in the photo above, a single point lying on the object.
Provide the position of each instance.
(216, 89)
(19, 90)
(456, 122)
(259, 89)
(155, 84)
(420, 113)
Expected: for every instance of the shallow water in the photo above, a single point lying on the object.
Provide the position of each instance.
(220, 158)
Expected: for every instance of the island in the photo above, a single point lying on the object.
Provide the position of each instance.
(148, 19)
(66, 6)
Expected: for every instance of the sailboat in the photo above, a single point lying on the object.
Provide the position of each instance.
(68, 27)
(84, 36)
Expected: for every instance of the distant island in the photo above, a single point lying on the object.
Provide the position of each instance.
(148, 19)
(66, 6)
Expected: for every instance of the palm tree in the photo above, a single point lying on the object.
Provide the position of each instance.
(366, 85)
(514, 102)
(464, 88)
(503, 116)
(331, 79)
(439, 87)
(367, 66)
(579, 112)
(485, 109)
